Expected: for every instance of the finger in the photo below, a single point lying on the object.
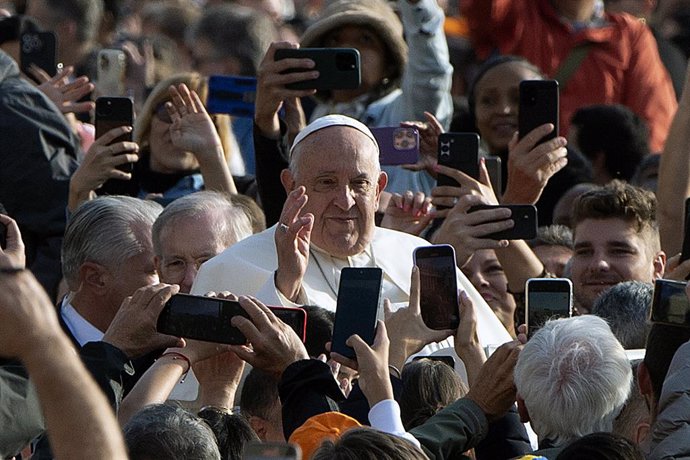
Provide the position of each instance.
(484, 176)
(247, 328)
(387, 312)
(120, 175)
(113, 134)
(198, 105)
(414, 291)
(186, 95)
(418, 202)
(259, 313)
(123, 158)
(244, 352)
(39, 73)
(381, 338)
(446, 191)
(79, 107)
(460, 177)
(433, 123)
(408, 199)
(161, 297)
(61, 75)
(347, 362)
(13, 236)
(530, 140)
(294, 203)
(142, 297)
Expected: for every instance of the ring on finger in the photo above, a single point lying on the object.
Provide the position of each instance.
(455, 200)
(283, 228)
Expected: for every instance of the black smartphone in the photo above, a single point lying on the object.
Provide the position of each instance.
(39, 48)
(231, 95)
(257, 450)
(524, 216)
(357, 308)
(208, 319)
(339, 68)
(458, 151)
(397, 145)
(538, 105)
(112, 112)
(547, 298)
(685, 253)
(670, 305)
(493, 166)
(438, 288)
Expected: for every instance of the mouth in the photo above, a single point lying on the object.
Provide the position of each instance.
(486, 296)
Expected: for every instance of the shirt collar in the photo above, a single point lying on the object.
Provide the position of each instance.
(82, 331)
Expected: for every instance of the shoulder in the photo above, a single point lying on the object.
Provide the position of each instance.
(256, 248)
(400, 239)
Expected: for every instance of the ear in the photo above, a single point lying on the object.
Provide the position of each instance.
(157, 264)
(381, 183)
(644, 381)
(259, 426)
(288, 180)
(522, 410)
(659, 263)
(642, 431)
(94, 277)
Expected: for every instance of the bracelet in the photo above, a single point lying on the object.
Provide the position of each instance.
(395, 371)
(177, 355)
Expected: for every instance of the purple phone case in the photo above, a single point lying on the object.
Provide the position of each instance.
(397, 145)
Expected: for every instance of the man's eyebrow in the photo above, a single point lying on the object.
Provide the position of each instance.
(582, 244)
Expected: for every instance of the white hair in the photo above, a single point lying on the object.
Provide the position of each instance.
(574, 377)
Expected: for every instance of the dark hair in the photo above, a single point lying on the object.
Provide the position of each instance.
(163, 432)
(662, 343)
(617, 200)
(601, 446)
(232, 433)
(319, 329)
(368, 444)
(259, 395)
(625, 307)
(428, 386)
(617, 132)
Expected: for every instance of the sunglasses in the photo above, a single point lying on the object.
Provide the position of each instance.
(162, 113)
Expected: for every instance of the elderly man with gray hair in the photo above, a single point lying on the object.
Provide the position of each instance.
(572, 379)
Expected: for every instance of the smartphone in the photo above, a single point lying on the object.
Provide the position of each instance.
(685, 253)
(39, 48)
(257, 450)
(208, 319)
(547, 298)
(112, 112)
(493, 166)
(358, 307)
(670, 304)
(538, 105)
(524, 216)
(232, 95)
(397, 145)
(339, 68)
(438, 289)
(458, 151)
(110, 72)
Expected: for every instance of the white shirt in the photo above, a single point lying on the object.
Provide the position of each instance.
(82, 331)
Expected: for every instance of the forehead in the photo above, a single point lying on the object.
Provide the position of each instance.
(335, 148)
(505, 76)
(606, 230)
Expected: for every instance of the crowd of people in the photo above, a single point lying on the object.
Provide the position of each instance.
(97, 234)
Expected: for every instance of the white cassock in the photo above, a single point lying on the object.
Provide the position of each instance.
(247, 268)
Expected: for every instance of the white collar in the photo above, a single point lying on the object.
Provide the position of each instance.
(82, 331)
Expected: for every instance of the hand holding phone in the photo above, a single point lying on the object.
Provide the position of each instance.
(397, 145)
(39, 49)
(538, 105)
(547, 298)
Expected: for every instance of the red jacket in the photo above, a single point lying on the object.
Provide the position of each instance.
(623, 64)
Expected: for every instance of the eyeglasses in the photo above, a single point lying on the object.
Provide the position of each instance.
(173, 270)
(161, 112)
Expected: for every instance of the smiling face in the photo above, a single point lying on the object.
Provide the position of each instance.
(339, 168)
(608, 252)
(497, 97)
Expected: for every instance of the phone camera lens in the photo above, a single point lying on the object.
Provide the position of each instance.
(345, 61)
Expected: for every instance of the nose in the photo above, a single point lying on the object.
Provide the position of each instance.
(345, 198)
(598, 263)
(478, 280)
(190, 272)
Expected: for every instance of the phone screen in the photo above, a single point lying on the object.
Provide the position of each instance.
(438, 291)
(357, 308)
(547, 298)
(670, 304)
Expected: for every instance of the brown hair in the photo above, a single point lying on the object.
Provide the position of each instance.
(618, 200)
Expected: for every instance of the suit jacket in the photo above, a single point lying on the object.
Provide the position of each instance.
(247, 268)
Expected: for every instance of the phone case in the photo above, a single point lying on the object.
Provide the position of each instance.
(112, 112)
(547, 298)
(525, 217)
(110, 72)
(538, 105)
(231, 95)
(458, 151)
(339, 68)
(493, 166)
(38, 48)
(397, 145)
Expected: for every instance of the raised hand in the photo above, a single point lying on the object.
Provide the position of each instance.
(13, 256)
(62, 92)
(192, 128)
(292, 237)
(409, 213)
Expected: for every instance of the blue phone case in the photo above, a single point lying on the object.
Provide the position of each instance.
(231, 95)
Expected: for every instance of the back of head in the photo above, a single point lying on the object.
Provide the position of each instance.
(107, 230)
(428, 386)
(553, 235)
(368, 444)
(231, 223)
(618, 200)
(232, 432)
(319, 329)
(256, 215)
(161, 432)
(617, 133)
(625, 307)
(236, 32)
(601, 446)
(574, 377)
(662, 343)
(634, 417)
(259, 395)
